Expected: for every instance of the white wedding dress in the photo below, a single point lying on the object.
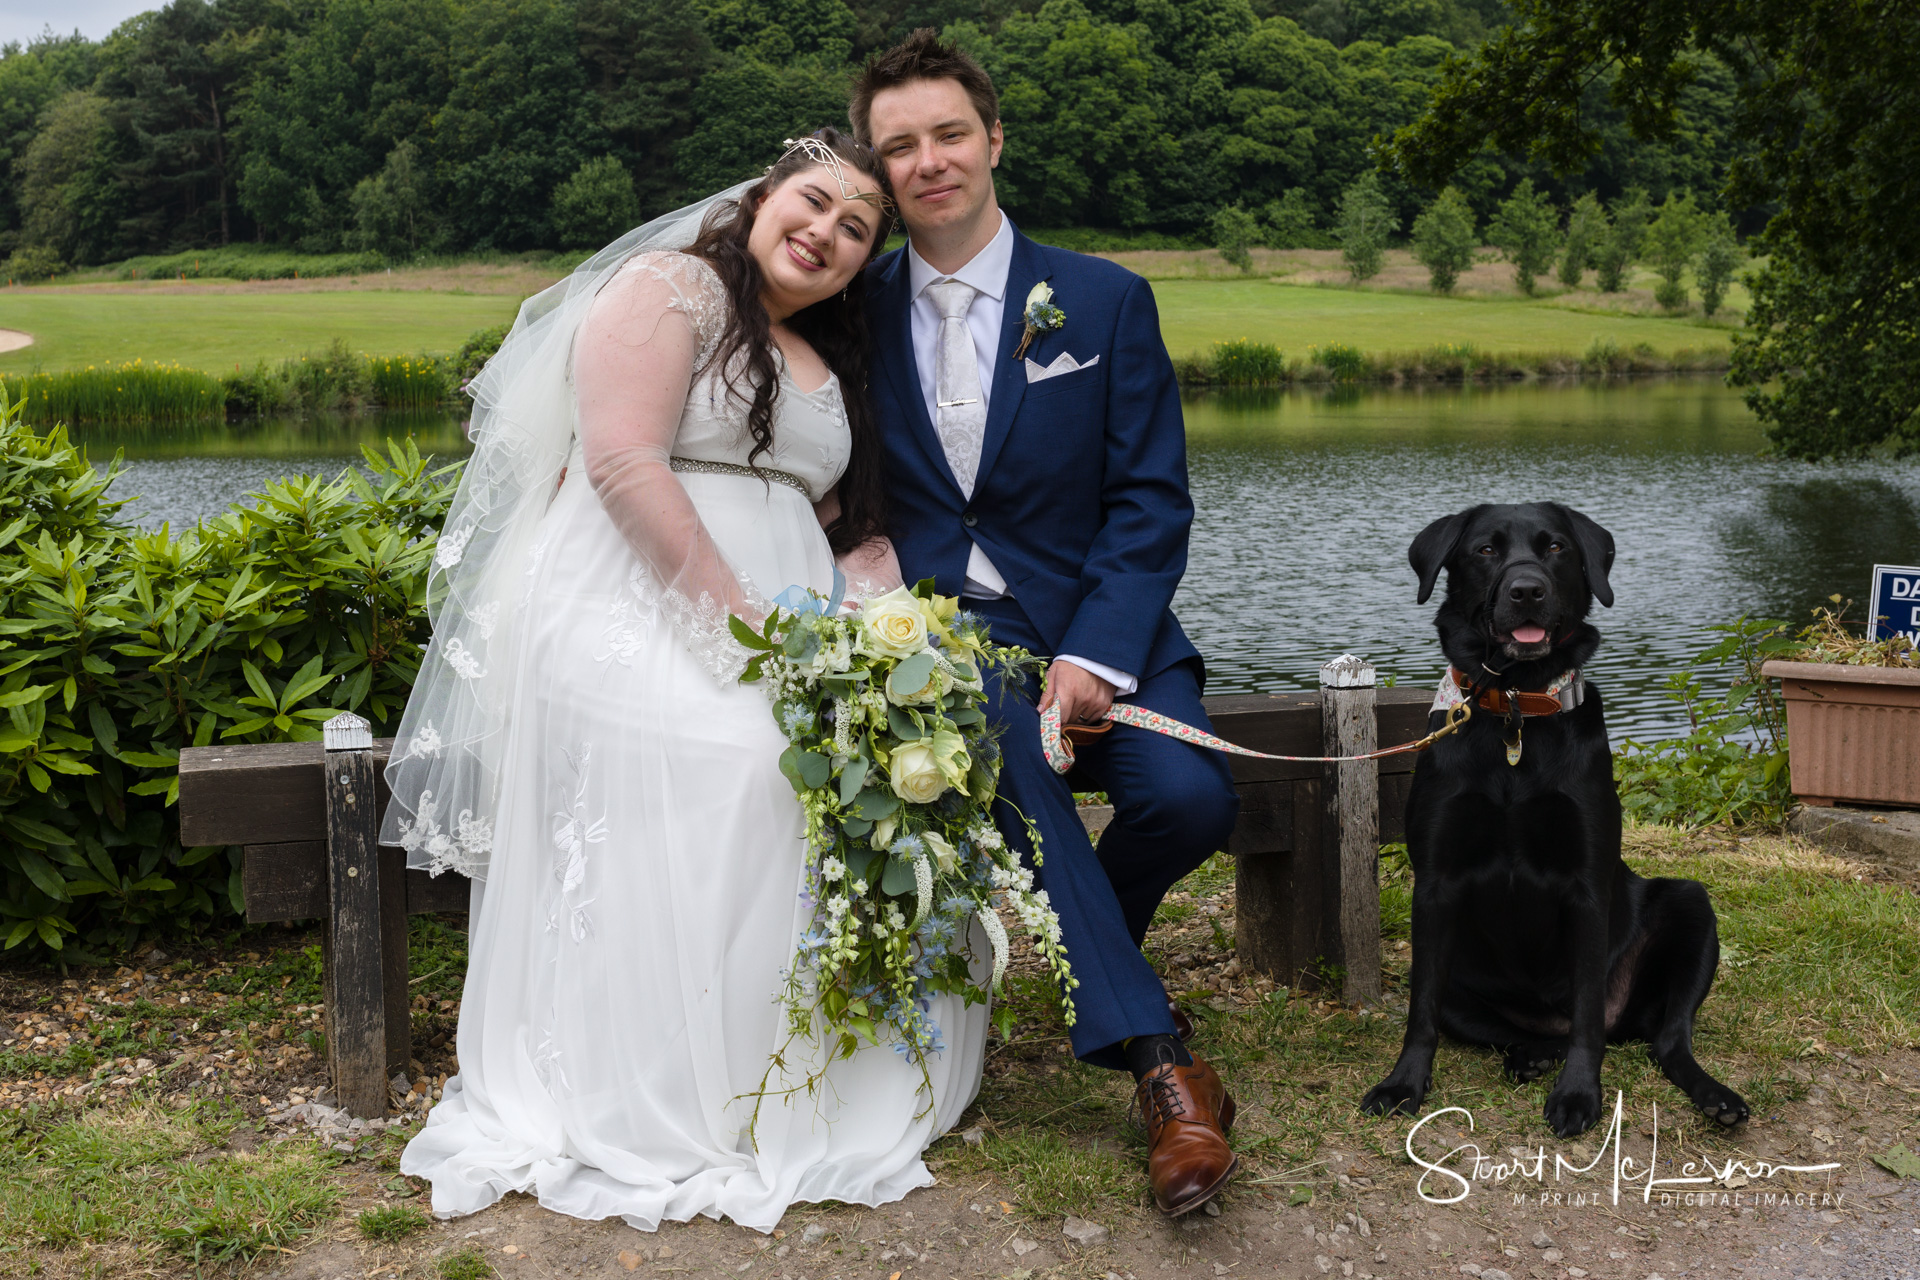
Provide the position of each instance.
(642, 901)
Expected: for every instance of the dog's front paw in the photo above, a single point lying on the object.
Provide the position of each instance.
(1572, 1109)
(1391, 1097)
(1720, 1103)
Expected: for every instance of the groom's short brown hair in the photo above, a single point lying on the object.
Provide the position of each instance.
(921, 56)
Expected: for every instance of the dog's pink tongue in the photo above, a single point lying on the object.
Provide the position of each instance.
(1529, 635)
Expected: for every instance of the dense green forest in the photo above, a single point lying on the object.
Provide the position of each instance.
(451, 126)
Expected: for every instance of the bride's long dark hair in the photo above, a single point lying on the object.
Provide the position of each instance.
(835, 327)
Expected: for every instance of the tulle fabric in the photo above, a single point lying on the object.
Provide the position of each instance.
(642, 895)
(445, 770)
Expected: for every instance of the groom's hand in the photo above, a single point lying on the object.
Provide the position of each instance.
(1083, 696)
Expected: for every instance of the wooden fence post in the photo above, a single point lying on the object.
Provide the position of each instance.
(1350, 799)
(356, 1000)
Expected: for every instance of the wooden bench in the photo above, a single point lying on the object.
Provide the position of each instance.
(1306, 852)
(290, 806)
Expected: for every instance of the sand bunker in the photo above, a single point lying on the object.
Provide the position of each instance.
(13, 339)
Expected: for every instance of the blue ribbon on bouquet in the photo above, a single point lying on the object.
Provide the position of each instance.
(798, 599)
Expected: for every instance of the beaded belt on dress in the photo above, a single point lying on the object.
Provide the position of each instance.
(703, 467)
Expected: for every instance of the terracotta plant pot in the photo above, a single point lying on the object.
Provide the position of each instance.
(1853, 733)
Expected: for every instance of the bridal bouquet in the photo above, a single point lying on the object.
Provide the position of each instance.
(896, 767)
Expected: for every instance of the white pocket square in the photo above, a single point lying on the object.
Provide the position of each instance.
(1062, 363)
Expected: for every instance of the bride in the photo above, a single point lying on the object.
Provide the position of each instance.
(677, 433)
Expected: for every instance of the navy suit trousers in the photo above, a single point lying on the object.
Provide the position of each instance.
(1174, 805)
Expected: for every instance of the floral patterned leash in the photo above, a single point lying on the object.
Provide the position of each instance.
(1058, 746)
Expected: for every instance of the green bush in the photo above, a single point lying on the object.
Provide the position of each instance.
(1345, 363)
(1293, 222)
(1444, 239)
(1718, 261)
(120, 646)
(1102, 240)
(1245, 363)
(247, 262)
(132, 392)
(1363, 225)
(33, 262)
(1526, 229)
(1234, 233)
(409, 382)
(1732, 766)
(477, 350)
(596, 205)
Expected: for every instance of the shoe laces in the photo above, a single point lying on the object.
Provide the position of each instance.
(1159, 1097)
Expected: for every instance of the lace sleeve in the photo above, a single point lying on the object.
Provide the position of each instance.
(694, 289)
(639, 348)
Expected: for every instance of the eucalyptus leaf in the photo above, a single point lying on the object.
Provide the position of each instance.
(898, 878)
(912, 673)
(874, 804)
(814, 769)
(851, 776)
(901, 721)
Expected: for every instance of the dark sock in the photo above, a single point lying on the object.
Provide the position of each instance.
(1148, 1053)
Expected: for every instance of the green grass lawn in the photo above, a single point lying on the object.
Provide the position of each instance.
(215, 331)
(1195, 314)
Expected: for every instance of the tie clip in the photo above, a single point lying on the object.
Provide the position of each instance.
(954, 404)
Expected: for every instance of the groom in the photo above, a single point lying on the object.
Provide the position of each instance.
(1049, 491)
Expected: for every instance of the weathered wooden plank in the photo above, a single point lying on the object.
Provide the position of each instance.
(284, 881)
(1289, 724)
(448, 891)
(1350, 836)
(268, 793)
(289, 882)
(1265, 825)
(356, 1002)
(393, 959)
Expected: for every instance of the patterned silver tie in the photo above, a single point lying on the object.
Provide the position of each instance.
(960, 410)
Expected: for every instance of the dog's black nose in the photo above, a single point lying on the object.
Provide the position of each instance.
(1527, 589)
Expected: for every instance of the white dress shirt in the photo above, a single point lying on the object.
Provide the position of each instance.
(987, 272)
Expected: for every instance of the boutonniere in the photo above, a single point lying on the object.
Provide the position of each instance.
(1041, 316)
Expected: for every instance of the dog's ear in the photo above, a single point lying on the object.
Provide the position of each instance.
(1596, 552)
(1435, 546)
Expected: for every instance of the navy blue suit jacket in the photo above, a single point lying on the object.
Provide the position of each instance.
(1081, 498)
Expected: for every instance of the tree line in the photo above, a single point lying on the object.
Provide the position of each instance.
(455, 126)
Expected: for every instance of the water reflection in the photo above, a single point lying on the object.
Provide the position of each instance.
(1306, 504)
(179, 474)
(1824, 527)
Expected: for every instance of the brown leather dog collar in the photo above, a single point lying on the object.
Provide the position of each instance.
(1563, 694)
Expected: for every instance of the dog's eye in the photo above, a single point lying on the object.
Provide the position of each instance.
(1554, 546)
(1485, 550)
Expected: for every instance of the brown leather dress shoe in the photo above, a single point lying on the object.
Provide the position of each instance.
(1188, 1114)
(1182, 1024)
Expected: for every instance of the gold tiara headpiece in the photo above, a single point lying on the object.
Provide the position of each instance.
(829, 159)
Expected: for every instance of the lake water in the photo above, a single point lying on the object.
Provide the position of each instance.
(1307, 501)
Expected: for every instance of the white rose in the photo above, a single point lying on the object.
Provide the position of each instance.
(945, 856)
(895, 626)
(915, 774)
(883, 832)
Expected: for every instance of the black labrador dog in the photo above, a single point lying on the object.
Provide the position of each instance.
(1529, 932)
